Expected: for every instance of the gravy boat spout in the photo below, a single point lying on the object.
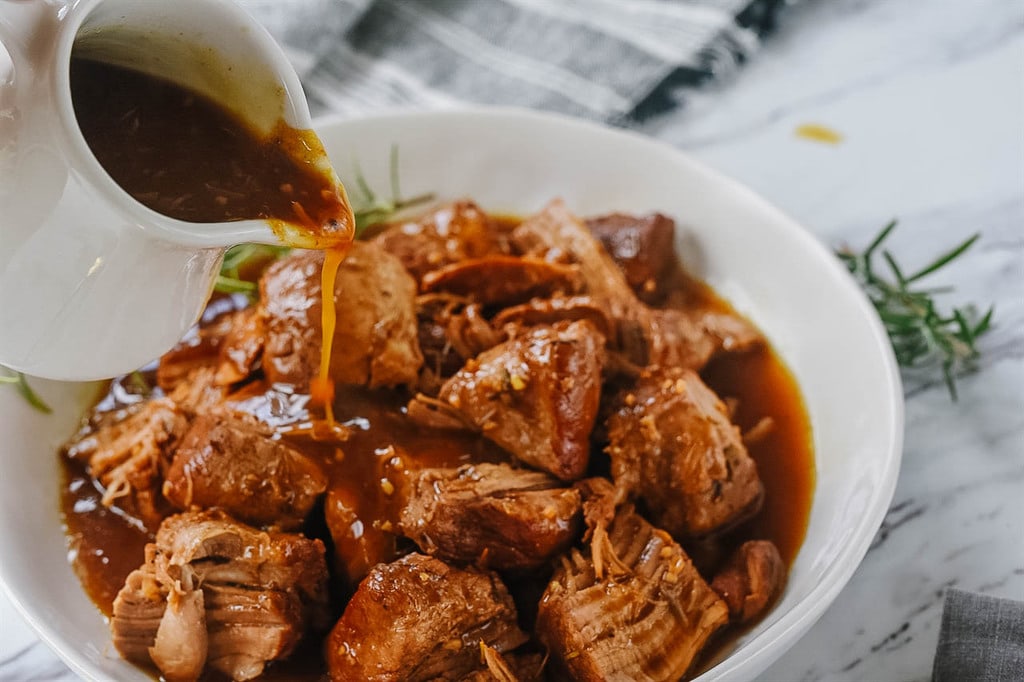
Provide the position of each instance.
(92, 282)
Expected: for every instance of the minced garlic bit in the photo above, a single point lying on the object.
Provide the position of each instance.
(517, 381)
(387, 486)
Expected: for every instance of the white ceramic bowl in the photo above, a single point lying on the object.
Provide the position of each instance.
(765, 264)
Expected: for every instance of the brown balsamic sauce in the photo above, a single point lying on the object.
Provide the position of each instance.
(108, 547)
(185, 156)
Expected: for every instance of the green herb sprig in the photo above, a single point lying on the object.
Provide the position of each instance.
(230, 281)
(21, 385)
(369, 210)
(367, 207)
(921, 334)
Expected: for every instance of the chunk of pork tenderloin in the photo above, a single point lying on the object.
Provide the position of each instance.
(751, 579)
(555, 234)
(419, 618)
(684, 338)
(375, 337)
(643, 247)
(673, 447)
(214, 594)
(646, 336)
(687, 338)
(128, 451)
(230, 344)
(242, 348)
(489, 514)
(450, 234)
(230, 461)
(536, 395)
(630, 607)
(200, 347)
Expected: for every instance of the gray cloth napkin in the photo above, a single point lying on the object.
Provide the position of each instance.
(981, 639)
(610, 60)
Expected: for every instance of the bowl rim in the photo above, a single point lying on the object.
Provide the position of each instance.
(782, 634)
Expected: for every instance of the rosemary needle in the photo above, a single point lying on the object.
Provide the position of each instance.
(921, 334)
(21, 384)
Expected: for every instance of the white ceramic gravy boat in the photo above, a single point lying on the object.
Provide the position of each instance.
(93, 283)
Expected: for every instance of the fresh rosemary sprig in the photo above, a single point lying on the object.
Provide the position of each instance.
(920, 333)
(230, 280)
(20, 384)
(368, 209)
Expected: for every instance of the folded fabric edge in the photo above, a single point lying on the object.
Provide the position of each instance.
(981, 638)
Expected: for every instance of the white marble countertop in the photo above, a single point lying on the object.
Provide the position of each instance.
(929, 98)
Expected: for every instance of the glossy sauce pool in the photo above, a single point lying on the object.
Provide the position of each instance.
(105, 547)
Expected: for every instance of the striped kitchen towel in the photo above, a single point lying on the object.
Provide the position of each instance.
(610, 60)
